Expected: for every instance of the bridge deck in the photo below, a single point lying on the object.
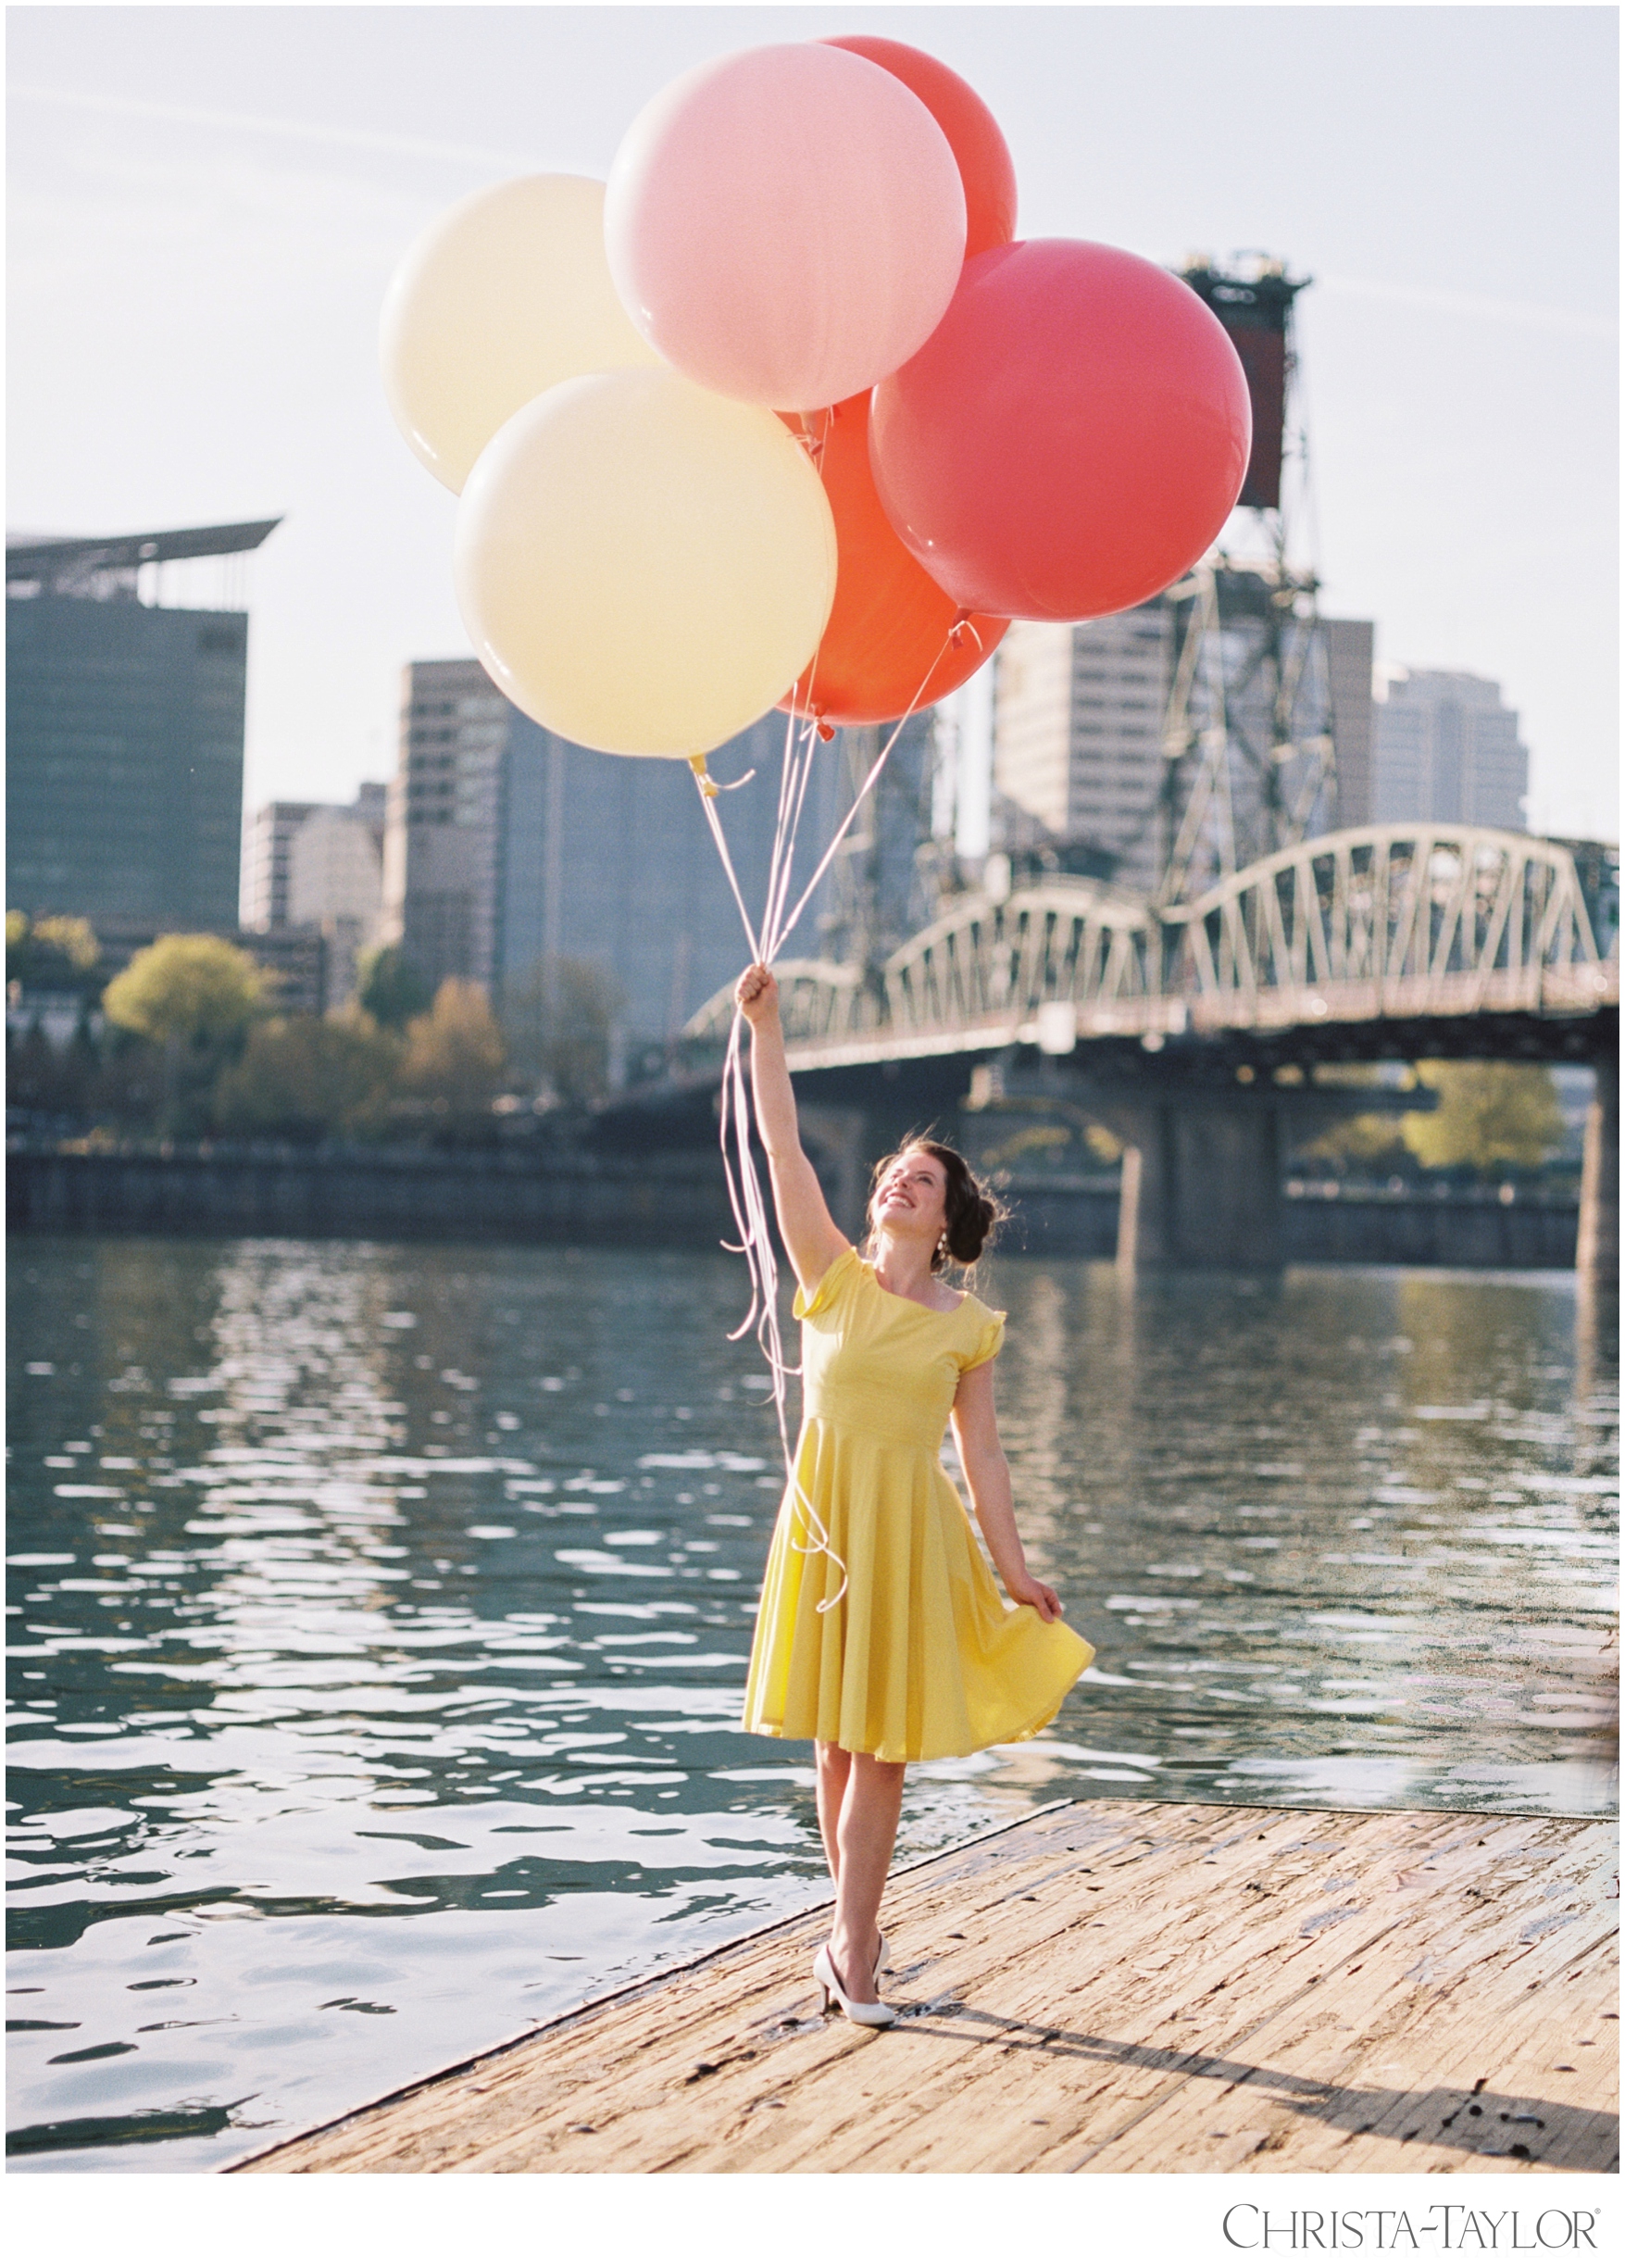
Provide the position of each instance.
(1564, 997)
(1104, 1988)
(1371, 926)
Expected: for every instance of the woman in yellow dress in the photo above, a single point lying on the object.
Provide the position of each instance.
(880, 1636)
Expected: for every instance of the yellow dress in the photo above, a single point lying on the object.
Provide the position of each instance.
(921, 1657)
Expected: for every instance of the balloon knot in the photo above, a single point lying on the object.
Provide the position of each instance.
(707, 786)
(826, 731)
(956, 636)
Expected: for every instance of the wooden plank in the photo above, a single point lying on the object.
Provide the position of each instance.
(1110, 1987)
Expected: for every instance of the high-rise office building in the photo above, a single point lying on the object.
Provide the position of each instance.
(334, 870)
(1448, 750)
(124, 732)
(1350, 650)
(372, 807)
(335, 884)
(508, 848)
(610, 860)
(442, 835)
(319, 867)
(887, 876)
(1078, 710)
(265, 862)
(1080, 714)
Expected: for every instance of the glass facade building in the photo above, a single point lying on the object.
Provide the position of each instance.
(124, 734)
(611, 859)
(508, 848)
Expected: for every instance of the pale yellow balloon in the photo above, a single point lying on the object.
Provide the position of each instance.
(644, 567)
(506, 294)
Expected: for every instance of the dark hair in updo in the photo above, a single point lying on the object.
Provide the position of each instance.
(973, 1211)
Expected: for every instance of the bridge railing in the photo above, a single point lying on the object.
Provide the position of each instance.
(986, 962)
(1383, 922)
(1369, 924)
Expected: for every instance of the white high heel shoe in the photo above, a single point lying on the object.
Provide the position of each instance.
(875, 2013)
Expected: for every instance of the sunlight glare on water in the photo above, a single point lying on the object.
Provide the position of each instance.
(379, 1617)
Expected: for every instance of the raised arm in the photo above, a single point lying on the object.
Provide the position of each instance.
(811, 1238)
(976, 1431)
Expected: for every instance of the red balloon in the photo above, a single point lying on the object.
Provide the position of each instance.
(894, 638)
(1070, 438)
(983, 156)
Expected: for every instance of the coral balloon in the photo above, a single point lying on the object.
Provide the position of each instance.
(505, 296)
(980, 149)
(1072, 438)
(785, 226)
(644, 568)
(894, 638)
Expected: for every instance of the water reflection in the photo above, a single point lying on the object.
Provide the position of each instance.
(380, 1617)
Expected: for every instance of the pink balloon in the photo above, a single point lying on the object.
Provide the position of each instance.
(785, 226)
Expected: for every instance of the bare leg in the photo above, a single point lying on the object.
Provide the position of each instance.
(866, 1833)
(834, 1765)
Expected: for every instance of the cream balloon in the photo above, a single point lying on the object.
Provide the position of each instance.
(644, 567)
(506, 294)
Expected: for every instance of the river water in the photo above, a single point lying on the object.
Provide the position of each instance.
(379, 1616)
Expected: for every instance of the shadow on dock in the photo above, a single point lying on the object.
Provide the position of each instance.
(1263, 1991)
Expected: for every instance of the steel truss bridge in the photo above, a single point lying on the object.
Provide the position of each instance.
(1371, 926)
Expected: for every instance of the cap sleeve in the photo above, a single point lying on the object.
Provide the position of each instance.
(987, 1341)
(829, 1287)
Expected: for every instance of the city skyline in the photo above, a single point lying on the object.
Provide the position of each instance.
(206, 203)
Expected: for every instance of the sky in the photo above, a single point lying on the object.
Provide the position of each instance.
(205, 205)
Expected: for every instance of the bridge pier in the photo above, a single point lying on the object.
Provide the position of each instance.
(1201, 1181)
(1597, 1258)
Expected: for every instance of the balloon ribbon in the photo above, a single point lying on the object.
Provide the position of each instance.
(744, 1189)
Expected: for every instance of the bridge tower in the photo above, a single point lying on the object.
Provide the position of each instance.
(1249, 756)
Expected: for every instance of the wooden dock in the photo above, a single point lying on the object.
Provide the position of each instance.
(1104, 1988)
